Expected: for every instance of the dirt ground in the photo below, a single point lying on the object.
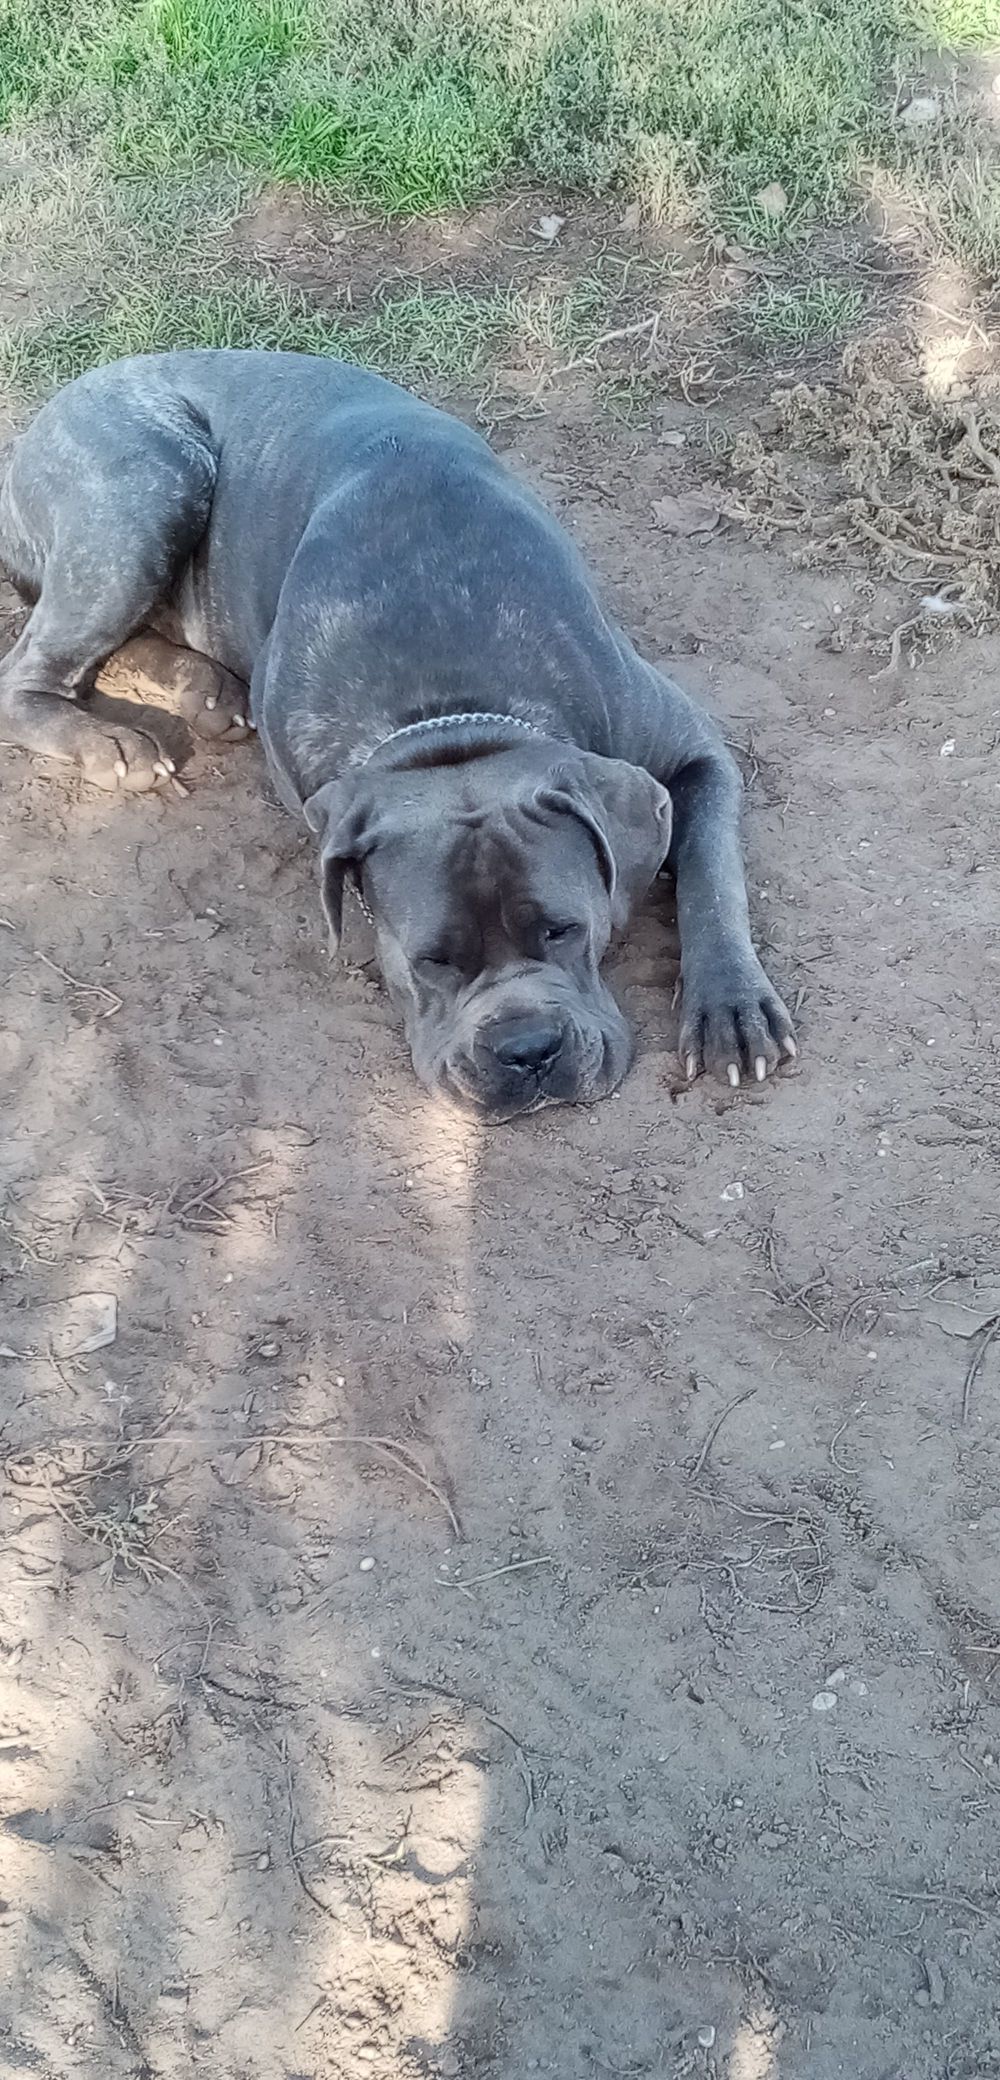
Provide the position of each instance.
(527, 1600)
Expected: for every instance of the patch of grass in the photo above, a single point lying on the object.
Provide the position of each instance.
(420, 143)
(957, 24)
(439, 338)
(631, 399)
(415, 104)
(223, 41)
(963, 203)
(796, 317)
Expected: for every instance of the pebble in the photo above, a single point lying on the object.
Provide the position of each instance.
(367, 1565)
(771, 1840)
(264, 1862)
(706, 2036)
(920, 110)
(824, 1701)
(732, 1191)
(772, 200)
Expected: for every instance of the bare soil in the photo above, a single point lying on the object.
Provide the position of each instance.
(521, 1601)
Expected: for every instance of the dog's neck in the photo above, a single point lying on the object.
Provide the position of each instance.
(466, 731)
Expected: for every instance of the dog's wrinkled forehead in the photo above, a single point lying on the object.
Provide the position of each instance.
(496, 873)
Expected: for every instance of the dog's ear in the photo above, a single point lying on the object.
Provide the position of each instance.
(340, 815)
(626, 812)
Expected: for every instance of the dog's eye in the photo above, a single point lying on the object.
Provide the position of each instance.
(556, 934)
(436, 963)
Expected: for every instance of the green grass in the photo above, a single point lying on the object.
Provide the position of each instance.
(430, 339)
(814, 314)
(416, 104)
(136, 130)
(957, 24)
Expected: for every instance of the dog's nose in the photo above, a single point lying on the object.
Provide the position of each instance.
(525, 1043)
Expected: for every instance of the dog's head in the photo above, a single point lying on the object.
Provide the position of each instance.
(494, 882)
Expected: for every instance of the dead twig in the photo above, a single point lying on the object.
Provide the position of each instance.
(974, 438)
(699, 1465)
(831, 1450)
(492, 1574)
(400, 1455)
(84, 989)
(991, 1330)
(903, 628)
(943, 1899)
(606, 339)
(200, 1211)
(293, 1853)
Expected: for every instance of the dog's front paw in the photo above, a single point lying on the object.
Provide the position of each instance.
(119, 759)
(732, 1022)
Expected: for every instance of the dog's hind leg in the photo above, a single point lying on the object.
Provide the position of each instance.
(107, 496)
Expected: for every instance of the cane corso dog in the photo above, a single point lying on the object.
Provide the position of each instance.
(478, 749)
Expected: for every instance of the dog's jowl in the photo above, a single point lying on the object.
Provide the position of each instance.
(476, 746)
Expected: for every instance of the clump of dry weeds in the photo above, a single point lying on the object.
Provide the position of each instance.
(870, 468)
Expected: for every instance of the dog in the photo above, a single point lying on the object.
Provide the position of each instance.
(476, 746)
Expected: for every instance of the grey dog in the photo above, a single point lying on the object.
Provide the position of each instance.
(476, 746)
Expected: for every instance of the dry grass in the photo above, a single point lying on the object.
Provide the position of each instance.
(873, 467)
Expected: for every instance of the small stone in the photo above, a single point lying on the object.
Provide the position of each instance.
(824, 1701)
(838, 1676)
(548, 228)
(920, 110)
(770, 1840)
(367, 1565)
(731, 1192)
(268, 1350)
(687, 512)
(948, 748)
(706, 2036)
(264, 1862)
(772, 199)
